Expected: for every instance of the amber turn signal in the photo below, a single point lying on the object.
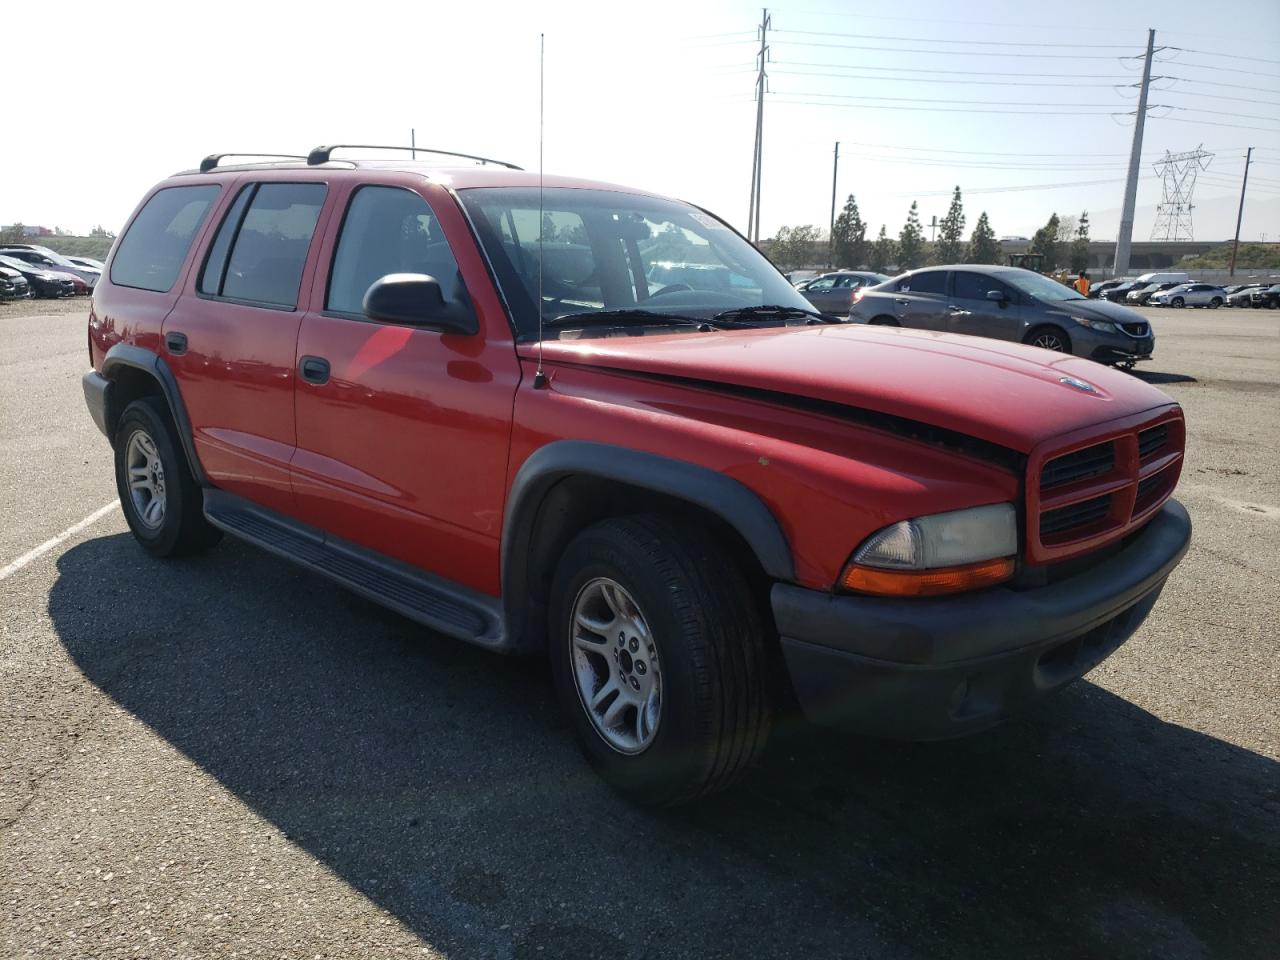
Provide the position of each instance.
(927, 583)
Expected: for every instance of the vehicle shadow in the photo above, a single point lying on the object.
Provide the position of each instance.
(1155, 377)
(441, 783)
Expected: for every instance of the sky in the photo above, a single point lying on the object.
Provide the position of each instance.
(1026, 107)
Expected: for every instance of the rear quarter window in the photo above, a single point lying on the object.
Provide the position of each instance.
(156, 244)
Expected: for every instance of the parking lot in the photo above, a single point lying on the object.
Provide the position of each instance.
(226, 756)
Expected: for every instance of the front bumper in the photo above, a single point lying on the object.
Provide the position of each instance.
(934, 668)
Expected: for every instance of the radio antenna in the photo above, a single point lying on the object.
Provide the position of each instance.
(540, 378)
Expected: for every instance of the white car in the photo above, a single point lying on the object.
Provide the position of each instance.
(1190, 295)
(87, 262)
(46, 259)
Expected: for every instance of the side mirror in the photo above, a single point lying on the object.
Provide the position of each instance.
(996, 295)
(416, 300)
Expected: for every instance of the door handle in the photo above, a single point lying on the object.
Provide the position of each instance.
(905, 303)
(175, 342)
(957, 311)
(314, 369)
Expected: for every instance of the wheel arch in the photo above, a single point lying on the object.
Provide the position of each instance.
(568, 485)
(133, 372)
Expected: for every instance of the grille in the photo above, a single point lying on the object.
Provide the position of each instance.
(1082, 514)
(1135, 329)
(1151, 441)
(1150, 491)
(1083, 464)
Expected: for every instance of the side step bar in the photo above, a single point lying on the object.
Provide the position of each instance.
(431, 601)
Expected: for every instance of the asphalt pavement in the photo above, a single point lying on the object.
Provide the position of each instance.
(228, 757)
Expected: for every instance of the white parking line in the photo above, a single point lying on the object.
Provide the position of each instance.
(49, 544)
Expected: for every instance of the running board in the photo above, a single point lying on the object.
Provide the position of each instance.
(431, 601)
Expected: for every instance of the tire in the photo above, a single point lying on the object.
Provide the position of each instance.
(165, 510)
(700, 644)
(884, 322)
(1273, 304)
(1049, 338)
(1215, 303)
(1178, 302)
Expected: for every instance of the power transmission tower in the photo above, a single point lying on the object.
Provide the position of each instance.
(1125, 237)
(1248, 157)
(753, 219)
(1178, 171)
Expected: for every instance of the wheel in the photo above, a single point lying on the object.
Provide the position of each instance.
(1178, 302)
(884, 322)
(159, 497)
(1215, 303)
(1273, 304)
(658, 655)
(1049, 338)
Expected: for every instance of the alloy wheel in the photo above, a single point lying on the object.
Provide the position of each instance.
(615, 665)
(1049, 341)
(146, 479)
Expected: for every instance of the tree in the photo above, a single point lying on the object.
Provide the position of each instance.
(983, 246)
(911, 240)
(102, 232)
(1080, 245)
(792, 246)
(883, 251)
(14, 233)
(1045, 242)
(950, 245)
(849, 239)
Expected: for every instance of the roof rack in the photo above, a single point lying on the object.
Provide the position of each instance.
(212, 160)
(321, 154)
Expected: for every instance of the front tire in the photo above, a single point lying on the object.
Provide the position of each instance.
(1178, 302)
(160, 499)
(1049, 338)
(658, 655)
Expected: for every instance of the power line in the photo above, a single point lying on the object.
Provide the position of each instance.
(944, 109)
(987, 43)
(1206, 123)
(970, 73)
(1214, 53)
(1212, 83)
(1216, 69)
(843, 96)
(1016, 189)
(985, 153)
(955, 53)
(988, 83)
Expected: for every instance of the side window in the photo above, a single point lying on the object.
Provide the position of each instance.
(152, 251)
(215, 264)
(388, 230)
(931, 281)
(843, 283)
(826, 283)
(974, 286)
(270, 248)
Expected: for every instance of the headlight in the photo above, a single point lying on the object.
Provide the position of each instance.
(1099, 326)
(941, 553)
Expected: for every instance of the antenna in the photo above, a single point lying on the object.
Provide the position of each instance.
(540, 378)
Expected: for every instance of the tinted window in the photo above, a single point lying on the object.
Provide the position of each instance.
(931, 281)
(216, 263)
(270, 249)
(826, 283)
(388, 230)
(152, 252)
(974, 286)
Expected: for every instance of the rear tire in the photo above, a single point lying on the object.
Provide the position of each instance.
(1215, 303)
(884, 322)
(658, 654)
(1049, 338)
(161, 501)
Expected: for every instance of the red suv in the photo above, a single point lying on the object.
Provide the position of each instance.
(468, 394)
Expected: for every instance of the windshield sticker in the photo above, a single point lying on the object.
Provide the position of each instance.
(711, 223)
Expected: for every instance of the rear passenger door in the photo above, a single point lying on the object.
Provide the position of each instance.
(972, 313)
(231, 340)
(921, 300)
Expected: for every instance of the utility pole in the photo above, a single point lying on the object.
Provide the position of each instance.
(933, 228)
(1125, 238)
(413, 143)
(1248, 157)
(831, 235)
(753, 219)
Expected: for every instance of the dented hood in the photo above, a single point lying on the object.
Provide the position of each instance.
(1005, 393)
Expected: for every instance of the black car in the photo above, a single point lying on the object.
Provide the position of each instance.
(1268, 297)
(13, 285)
(1096, 290)
(43, 283)
(1238, 295)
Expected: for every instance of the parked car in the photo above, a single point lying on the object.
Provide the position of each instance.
(1173, 276)
(86, 262)
(366, 369)
(1096, 290)
(1140, 295)
(1117, 293)
(1190, 295)
(39, 256)
(1238, 294)
(832, 293)
(43, 283)
(13, 285)
(1008, 303)
(1268, 297)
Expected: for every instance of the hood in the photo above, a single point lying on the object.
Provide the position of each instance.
(1003, 393)
(1098, 310)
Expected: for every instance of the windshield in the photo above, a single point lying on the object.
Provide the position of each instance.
(17, 264)
(1042, 288)
(603, 250)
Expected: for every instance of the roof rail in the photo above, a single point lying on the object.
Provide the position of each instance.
(321, 154)
(212, 160)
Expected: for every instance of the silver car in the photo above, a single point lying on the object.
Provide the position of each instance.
(1190, 295)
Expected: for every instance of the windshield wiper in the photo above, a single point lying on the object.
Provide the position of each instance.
(632, 317)
(771, 311)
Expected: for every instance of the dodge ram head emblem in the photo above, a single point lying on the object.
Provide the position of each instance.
(1078, 384)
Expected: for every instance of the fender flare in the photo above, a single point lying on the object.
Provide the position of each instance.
(127, 355)
(729, 499)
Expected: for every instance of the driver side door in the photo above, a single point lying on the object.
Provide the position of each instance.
(973, 313)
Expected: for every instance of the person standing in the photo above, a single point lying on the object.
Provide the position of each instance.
(1082, 283)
